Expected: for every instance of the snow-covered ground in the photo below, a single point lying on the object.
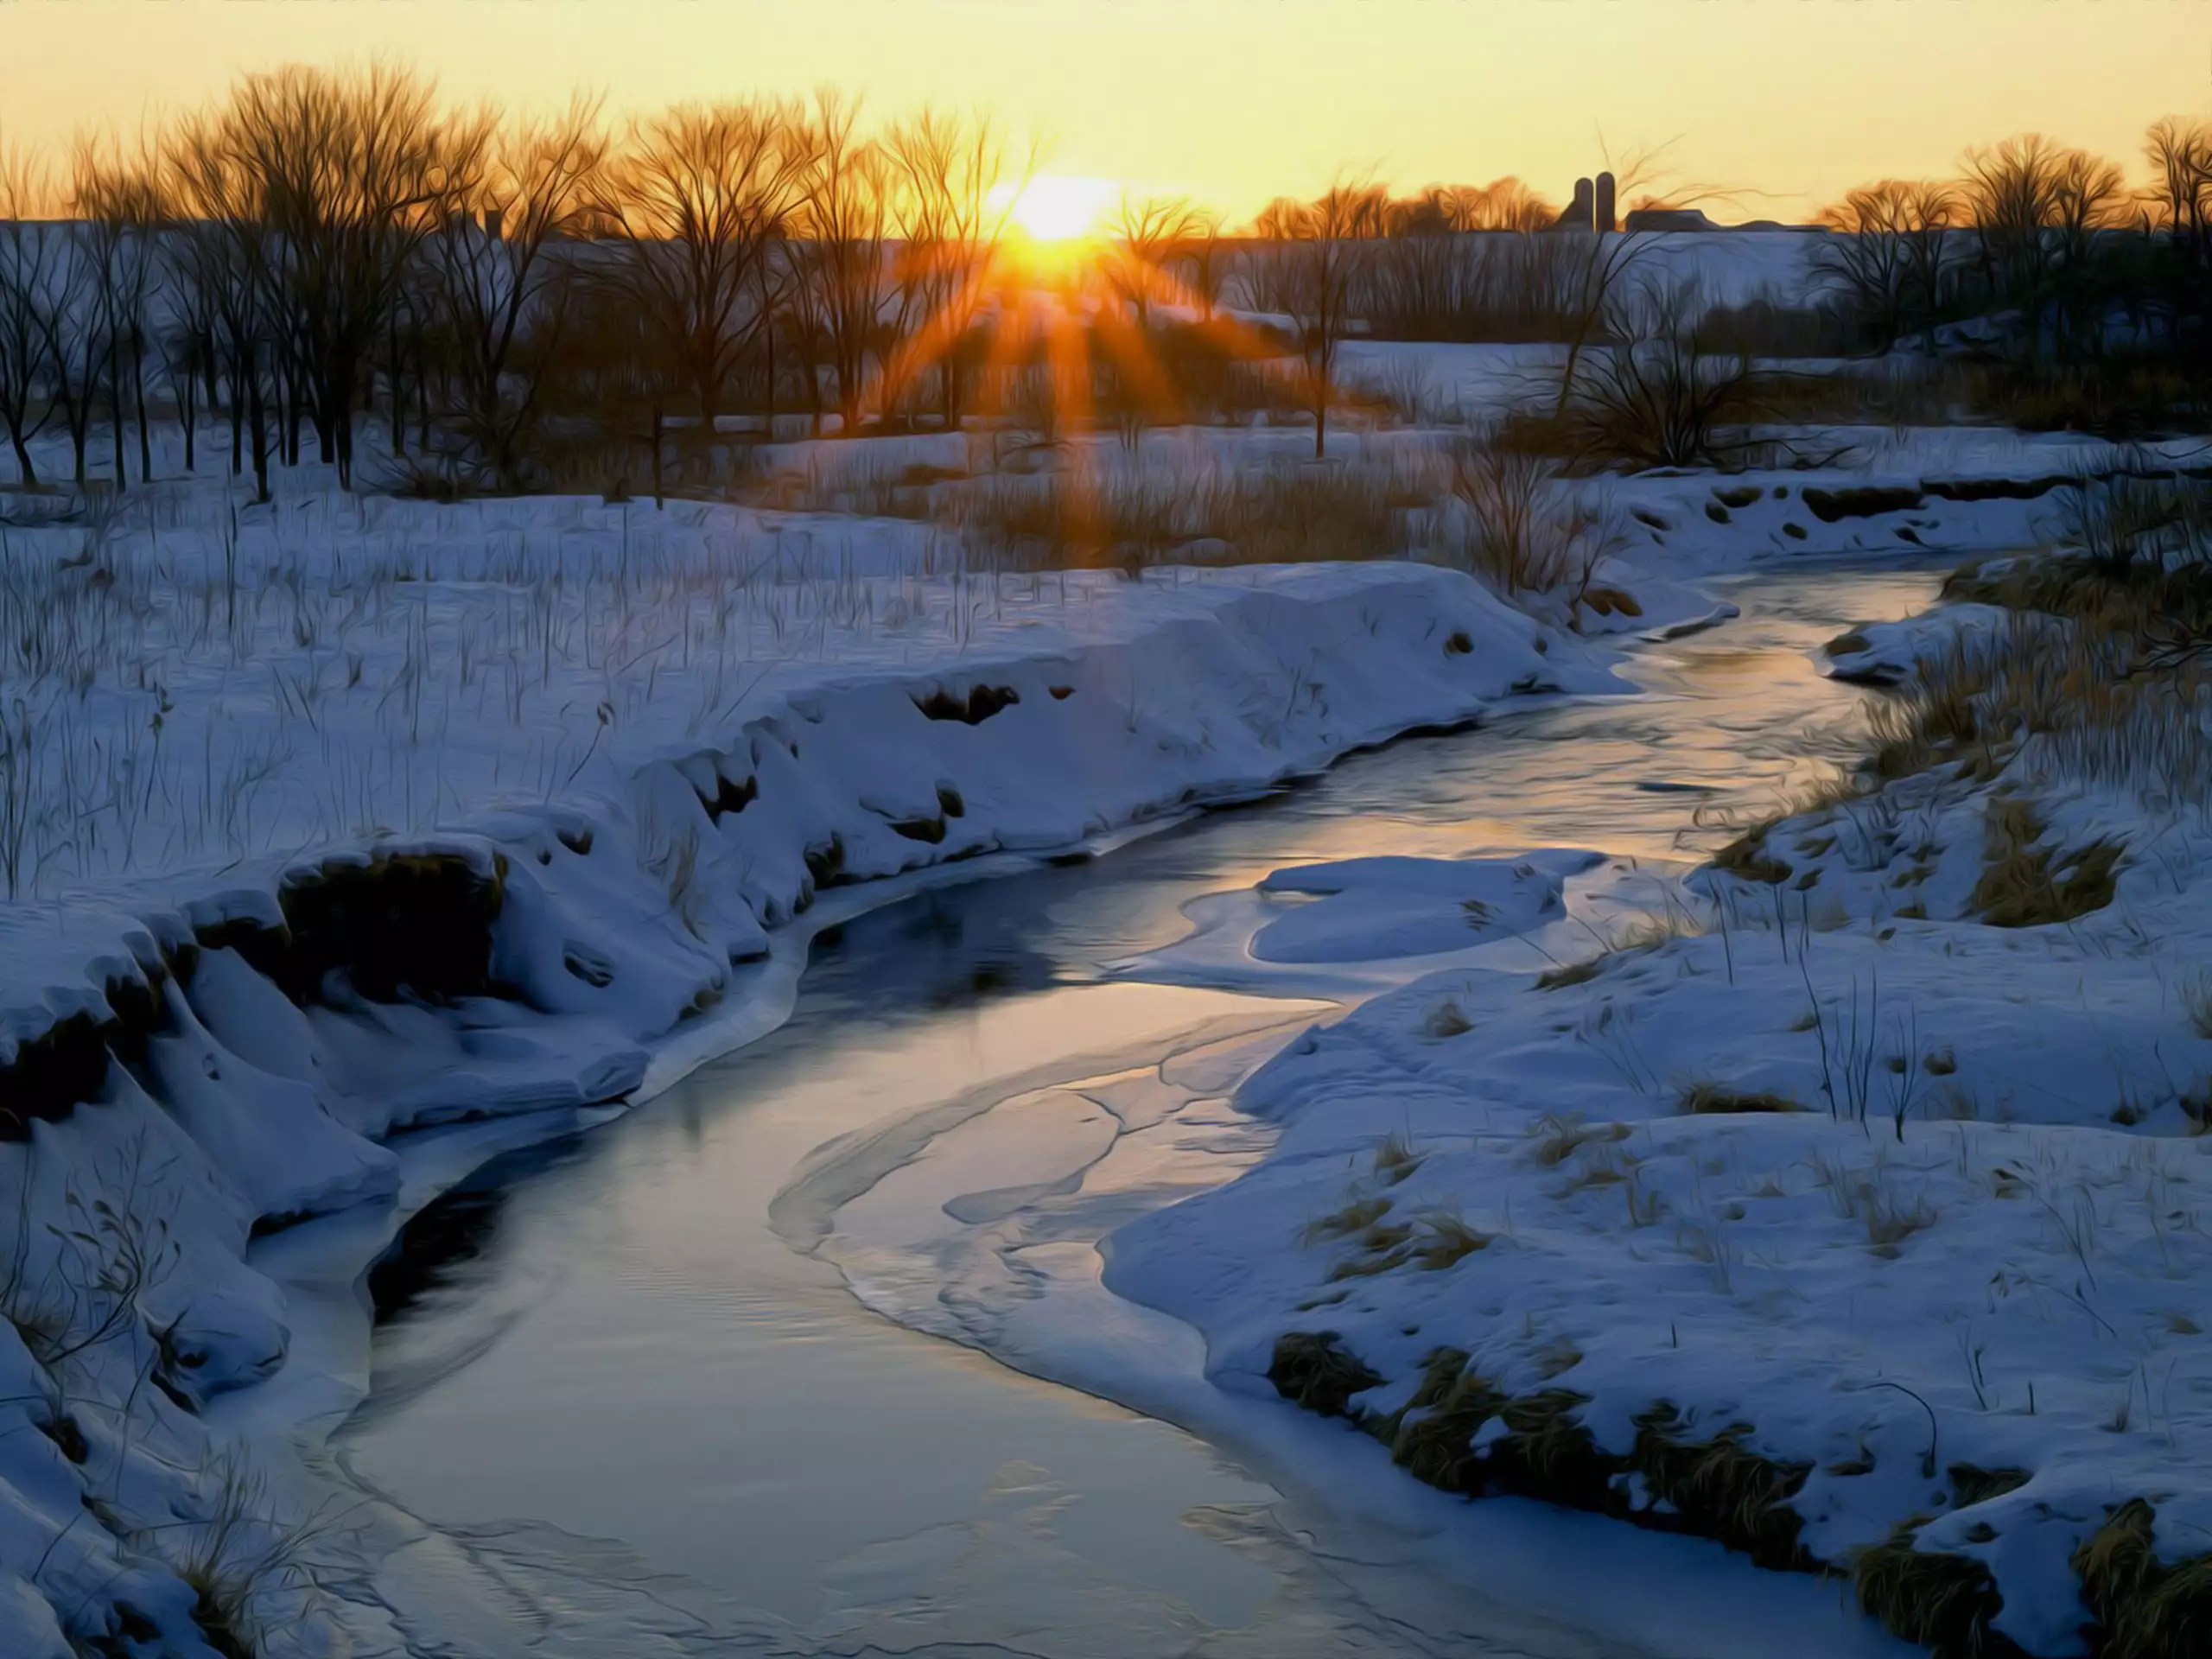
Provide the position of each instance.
(338, 819)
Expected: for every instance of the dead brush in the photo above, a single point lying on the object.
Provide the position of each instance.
(1215, 515)
(1558, 1138)
(1396, 1159)
(2080, 696)
(1376, 1251)
(1443, 1236)
(1892, 1220)
(1315, 1370)
(1356, 1216)
(245, 1561)
(1943, 1601)
(1433, 1439)
(1572, 972)
(2145, 1608)
(1662, 397)
(1721, 1489)
(2025, 884)
(1526, 532)
(2196, 1003)
(2135, 510)
(1705, 1097)
(1446, 1020)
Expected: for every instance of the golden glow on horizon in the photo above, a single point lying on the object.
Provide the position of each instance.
(1231, 102)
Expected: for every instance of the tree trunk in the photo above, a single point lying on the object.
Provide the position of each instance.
(116, 415)
(28, 473)
(188, 392)
(399, 388)
(260, 428)
(769, 333)
(341, 433)
(237, 405)
(138, 390)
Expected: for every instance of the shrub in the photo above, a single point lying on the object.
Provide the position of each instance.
(1525, 534)
(1662, 400)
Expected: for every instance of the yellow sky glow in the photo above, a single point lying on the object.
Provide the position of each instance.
(1784, 102)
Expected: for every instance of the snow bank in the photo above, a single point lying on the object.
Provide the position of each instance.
(1365, 908)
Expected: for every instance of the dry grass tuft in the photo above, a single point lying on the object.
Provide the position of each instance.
(1572, 973)
(2024, 883)
(1559, 1138)
(1447, 1238)
(1396, 1159)
(1446, 1020)
(2145, 1608)
(2196, 1003)
(1314, 1369)
(1943, 1602)
(1132, 519)
(1357, 1217)
(1699, 1099)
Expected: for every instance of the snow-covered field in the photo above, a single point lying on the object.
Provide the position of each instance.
(341, 817)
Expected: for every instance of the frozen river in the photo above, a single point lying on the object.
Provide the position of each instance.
(614, 1411)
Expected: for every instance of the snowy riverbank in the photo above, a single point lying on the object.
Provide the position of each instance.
(354, 818)
(1848, 1209)
(275, 1019)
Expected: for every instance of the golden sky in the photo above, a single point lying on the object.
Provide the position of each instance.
(1234, 101)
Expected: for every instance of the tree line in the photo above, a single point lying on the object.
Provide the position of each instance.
(322, 245)
(2054, 235)
(318, 245)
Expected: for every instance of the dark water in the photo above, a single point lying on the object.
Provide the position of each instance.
(615, 1395)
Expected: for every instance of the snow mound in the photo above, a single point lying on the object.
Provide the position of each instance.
(1890, 653)
(1361, 909)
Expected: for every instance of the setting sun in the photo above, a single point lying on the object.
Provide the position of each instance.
(1054, 207)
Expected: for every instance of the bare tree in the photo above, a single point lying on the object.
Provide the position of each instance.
(1592, 278)
(1321, 249)
(2008, 189)
(1205, 258)
(1145, 234)
(502, 287)
(1658, 396)
(846, 185)
(351, 169)
(32, 257)
(116, 200)
(2036, 209)
(695, 199)
(962, 180)
(224, 247)
(2180, 153)
(71, 321)
(1892, 254)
